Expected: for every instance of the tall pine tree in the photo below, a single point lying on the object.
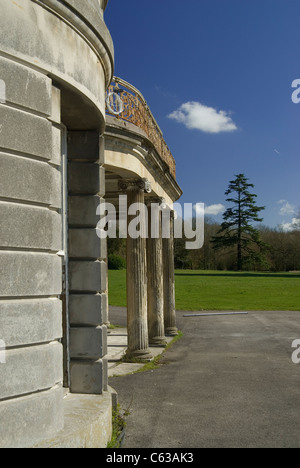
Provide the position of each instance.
(236, 230)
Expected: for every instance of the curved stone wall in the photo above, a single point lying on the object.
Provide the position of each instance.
(68, 41)
(56, 60)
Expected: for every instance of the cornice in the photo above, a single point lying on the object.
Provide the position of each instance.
(134, 137)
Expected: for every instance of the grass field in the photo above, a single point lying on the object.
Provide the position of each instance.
(214, 290)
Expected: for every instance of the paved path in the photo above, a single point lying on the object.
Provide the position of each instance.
(117, 345)
(229, 382)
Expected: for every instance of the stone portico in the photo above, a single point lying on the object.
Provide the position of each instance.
(72, 138)
(139, 164)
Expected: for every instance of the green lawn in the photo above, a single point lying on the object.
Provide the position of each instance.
(213, 290)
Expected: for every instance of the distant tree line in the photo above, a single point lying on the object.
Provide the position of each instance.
(283, 253)
(239, 243)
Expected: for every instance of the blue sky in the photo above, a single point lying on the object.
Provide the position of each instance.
(217, 75)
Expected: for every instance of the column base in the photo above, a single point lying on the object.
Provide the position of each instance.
(172, 331)
(159, 341)
(138, 355)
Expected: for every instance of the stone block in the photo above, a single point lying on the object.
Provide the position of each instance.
(102, 150)
(88, 342)
(87, 276)
(26, 87)
(83, 178)
(55, 106)
(83, 146)
(88, 422)
(27, 322)
(102, 181)
(25, 133)
(29, 227)
(27, 180)
(84, 243)
(30, 274)
(31, 418)
(31, 369)
(88, 377)
(56, 146)
(56, 199)
(88, 309)
(82, 211)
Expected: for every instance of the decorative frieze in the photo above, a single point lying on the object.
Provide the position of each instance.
(135, 184)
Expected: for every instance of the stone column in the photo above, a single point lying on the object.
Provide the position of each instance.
(137, 327)
(155, 275)
(87, 265)
(168, 274)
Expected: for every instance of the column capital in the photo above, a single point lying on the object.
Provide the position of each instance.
(135, 184)
(156, 200)
(169, 211)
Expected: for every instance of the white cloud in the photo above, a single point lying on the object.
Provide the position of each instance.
(286, 208)
(213, 210)
(195, 115)
(295, 224)
(199, 208)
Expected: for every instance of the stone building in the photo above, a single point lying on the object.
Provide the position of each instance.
(56, 168)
